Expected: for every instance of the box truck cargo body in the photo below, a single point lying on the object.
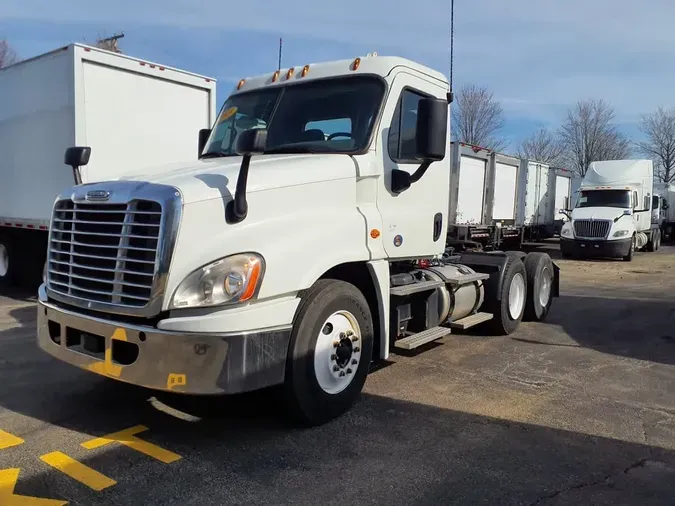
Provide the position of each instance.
(132, 113)
(499, 201)
(664, 214)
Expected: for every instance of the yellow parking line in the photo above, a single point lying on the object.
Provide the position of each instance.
(78, 471)
(8, 440)
(127, 437)
(8, 479)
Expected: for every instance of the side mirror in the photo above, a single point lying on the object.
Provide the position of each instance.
(251, 142)
(204, 134)
(566, 212)
(432, 129)
(76, 157)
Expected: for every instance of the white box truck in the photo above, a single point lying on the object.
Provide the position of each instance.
(306, 242)
(500, 200)
(663, 213)
(133, 113)
(613, 212)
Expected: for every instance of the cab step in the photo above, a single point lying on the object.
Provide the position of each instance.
(422, 338)
(403, 290)
(471, 320)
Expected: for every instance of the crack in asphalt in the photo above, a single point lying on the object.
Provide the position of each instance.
(586, 484)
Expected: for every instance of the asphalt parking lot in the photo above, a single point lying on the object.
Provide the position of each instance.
(579, 410)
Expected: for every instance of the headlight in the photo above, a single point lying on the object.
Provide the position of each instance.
(620, 233)
(566, 231)
(231, 279)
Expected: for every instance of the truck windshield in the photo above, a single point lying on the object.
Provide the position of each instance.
(323, 116)
(604, 198)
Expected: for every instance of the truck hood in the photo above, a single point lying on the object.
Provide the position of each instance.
(596, 213)
(217, 178)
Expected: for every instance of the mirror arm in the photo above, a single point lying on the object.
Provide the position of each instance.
(237, 208)
(77, 176)
(402, 180)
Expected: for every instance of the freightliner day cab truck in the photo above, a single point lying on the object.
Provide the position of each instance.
(613, 213)
(306, 242)
(133, 114)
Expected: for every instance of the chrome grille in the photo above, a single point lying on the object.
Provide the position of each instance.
(591, 229)
(105, 253)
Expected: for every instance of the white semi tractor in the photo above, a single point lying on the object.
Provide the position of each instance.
(499, 201)
(663, 212)
(613, 212)
(133, 113)
(295, 252)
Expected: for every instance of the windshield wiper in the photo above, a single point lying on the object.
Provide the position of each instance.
(289, 149)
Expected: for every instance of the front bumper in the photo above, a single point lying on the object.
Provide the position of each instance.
(195, 363)
(600, 248)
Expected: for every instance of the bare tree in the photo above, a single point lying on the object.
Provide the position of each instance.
(659, 130)
(477, 118)
(542, 146)
(7, 54)
(589, 134)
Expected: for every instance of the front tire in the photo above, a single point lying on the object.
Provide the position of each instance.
(508, 311)
(631, 251)
(330, 352)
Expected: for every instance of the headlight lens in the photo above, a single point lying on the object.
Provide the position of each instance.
(567, 232)
(231, 279)
(620, 233)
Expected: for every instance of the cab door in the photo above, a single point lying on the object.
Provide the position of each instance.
(414, 222)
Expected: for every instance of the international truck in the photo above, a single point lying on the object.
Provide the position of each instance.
(499, 201)
(613, 212)
(133, 113)
(307, 242)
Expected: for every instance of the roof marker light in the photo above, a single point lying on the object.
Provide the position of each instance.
(305, 71)
(289, 74)
(241, 83)
(355, 65)
(275, 76)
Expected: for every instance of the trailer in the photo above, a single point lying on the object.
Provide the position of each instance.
(664, 214)
(134, 114)
(499, 201)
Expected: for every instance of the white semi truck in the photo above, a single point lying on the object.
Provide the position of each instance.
(307, 242)
(613, 212)
(133, 113)
(499, 201)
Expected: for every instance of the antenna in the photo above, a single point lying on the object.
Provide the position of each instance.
(280, 47)
(452, 48)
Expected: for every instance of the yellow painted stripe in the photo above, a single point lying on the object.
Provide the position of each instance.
(8, 479)
(78, 471)
(8, 440)
(127, 437)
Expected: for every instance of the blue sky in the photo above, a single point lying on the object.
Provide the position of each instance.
(537, 56)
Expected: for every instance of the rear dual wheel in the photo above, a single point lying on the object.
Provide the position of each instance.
(526, 293)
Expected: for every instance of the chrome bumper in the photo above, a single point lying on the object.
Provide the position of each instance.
(192, 364)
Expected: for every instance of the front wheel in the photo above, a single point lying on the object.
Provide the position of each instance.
(631, 251)
(330, 352)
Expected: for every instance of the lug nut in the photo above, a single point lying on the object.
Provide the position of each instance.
(354, 361)
(335, 368)
(355, 338)
(342, 335)
(333, 356)
(336, 344)
(356, 349)
(350, 332)
(349, 371)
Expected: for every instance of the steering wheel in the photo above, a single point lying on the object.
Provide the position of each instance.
(339, 134)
